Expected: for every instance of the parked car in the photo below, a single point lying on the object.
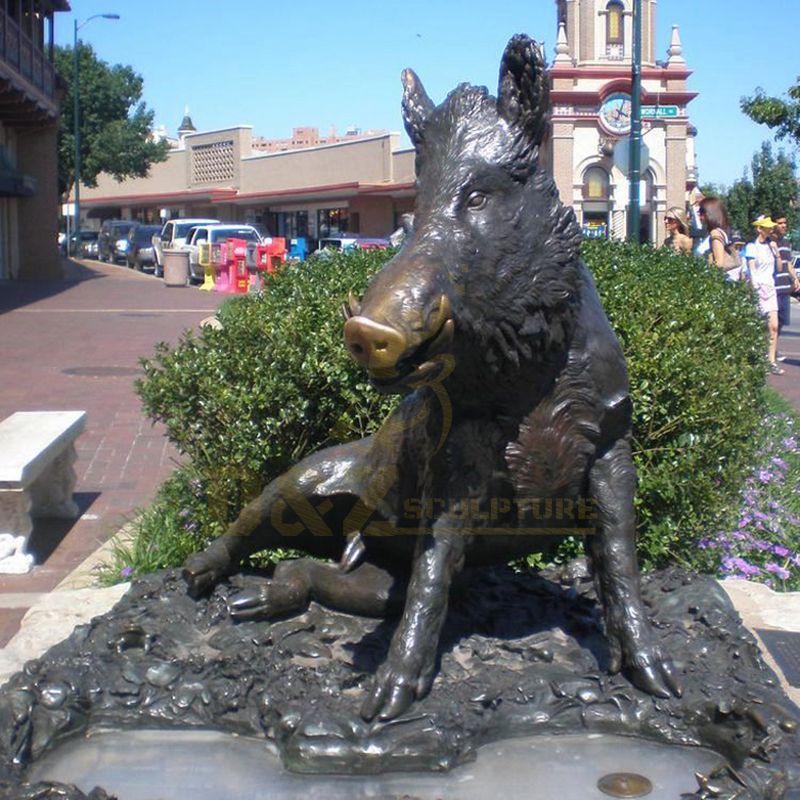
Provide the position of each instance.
(112, 243)
(351, 241)
(140, 254)
(214, 234)
(173, 235)
(88, 246)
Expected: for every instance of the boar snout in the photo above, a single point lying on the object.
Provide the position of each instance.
(396, 351)
(374, 346)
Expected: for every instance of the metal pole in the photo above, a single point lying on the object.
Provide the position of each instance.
(77, 131)
(635, 173)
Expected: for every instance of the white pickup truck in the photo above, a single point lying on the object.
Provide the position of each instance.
(172, 237)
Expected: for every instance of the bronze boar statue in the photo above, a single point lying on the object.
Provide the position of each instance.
(515, 399)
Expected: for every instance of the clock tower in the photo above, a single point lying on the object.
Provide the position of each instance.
(590, 80)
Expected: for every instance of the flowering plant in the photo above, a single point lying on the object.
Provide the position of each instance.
(763, 543)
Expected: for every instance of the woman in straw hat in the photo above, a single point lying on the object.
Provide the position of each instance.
(760, 256)
(677, 231)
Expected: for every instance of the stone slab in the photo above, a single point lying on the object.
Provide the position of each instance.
(785, 649)
(29, 440)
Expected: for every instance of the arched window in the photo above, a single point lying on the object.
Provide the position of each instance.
(596, 184)
(615, 30)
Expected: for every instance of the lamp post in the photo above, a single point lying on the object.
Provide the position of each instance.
(635, 173)
(77, 127)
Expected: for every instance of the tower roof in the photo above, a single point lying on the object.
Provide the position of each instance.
(186, 123)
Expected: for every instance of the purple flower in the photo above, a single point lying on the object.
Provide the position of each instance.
(777, 569)
(190, 526)
(705, 544)
(737, 564)
(789, 443)
(780, 551)
(126, 572)
(762, 544)
(779, 462)
(764, 475)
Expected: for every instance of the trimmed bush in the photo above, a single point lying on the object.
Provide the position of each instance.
(276, 383)
(246, 402)
(696, 351)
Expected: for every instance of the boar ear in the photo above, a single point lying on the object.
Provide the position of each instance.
(523, 96)
(417, 106)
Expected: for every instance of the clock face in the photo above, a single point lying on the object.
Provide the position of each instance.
(615, 114)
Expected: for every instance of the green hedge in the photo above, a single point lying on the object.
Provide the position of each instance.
(246, 402)
(696, 351)
(276, 383)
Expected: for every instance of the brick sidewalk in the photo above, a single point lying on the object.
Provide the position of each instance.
(76, 344)
(788, 384)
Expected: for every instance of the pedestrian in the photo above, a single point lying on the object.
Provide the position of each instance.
(697, 228)
(677, 231)
(720, 253)
(738, 243)
(761, 255)
(786, 280)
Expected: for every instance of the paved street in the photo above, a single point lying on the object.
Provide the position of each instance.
(789, 345)
(75, 345)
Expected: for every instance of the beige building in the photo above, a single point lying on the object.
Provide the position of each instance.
(590, 95)
(29, 107)
(360, 185)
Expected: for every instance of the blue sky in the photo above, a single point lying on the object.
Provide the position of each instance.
(278, 65)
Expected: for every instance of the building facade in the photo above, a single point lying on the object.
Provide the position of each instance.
(29, 107)
(360, 185)
(591, 104)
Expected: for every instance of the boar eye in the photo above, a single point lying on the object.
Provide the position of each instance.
(476, 201)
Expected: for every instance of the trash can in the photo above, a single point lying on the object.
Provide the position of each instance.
(176, 267)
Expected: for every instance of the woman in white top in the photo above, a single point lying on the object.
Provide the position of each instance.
(760, 256)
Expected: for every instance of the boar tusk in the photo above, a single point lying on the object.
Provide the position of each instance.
(354, 552)
(443, 314)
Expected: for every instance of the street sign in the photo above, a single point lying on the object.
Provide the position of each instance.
(622, 155)
(660, 111)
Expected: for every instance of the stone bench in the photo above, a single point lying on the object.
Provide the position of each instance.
(37, 451)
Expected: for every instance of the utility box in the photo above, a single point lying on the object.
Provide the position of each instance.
(176, 267)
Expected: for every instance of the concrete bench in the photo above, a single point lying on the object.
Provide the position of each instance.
(37, 451)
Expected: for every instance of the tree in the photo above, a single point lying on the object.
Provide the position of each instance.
(114, 122)
(781, 115)
(771, 187)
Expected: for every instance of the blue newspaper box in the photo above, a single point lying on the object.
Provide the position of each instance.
(298, 248)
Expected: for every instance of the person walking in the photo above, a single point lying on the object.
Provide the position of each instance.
(677, 232)
(786, 280)
(720, 253)
(761, 256)
(697, 229)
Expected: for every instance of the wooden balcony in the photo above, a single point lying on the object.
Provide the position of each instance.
(27, 77)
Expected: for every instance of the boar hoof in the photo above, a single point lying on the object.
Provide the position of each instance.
(268, 599)
(202, 572)
(658, 678)
(393, 691)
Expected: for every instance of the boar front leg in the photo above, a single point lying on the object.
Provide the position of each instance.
(407, 673)
(631, 641)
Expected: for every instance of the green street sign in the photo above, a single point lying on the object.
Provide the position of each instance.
(659, 111)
